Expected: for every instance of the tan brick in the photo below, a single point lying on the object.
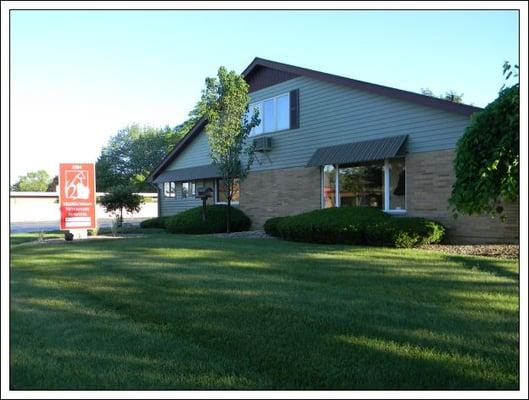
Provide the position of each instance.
(279, 192)
(429, 179)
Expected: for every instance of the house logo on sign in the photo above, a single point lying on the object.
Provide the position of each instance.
(77, 185)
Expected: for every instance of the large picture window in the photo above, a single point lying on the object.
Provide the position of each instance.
(329, 186)
(397, 184)
(274, 114)
(221, 192)
(361, 185)
(381, 185)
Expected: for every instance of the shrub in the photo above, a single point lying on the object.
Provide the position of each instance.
(270, 226)
(190, 221)
(404, 232)
(356, 225)
(158, 222)
(331, 225)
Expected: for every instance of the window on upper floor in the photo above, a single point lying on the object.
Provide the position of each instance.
(274, 114)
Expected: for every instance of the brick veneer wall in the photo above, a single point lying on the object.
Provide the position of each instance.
(279, 192)
(429, 179)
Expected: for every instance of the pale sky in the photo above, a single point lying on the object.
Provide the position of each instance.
(79, 76)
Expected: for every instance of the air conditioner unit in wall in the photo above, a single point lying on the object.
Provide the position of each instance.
(263, 144)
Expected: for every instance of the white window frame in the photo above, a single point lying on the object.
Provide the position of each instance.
(216, 195)
(260, 105)
(172, 194)
(191, 190)
(386, 172)
(387, 189)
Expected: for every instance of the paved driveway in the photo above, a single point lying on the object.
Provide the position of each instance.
(37, 226)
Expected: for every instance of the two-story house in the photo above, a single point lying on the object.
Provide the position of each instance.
(330, 141)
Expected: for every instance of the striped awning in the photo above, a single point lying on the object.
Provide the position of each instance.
(188, 174)
(356, 152)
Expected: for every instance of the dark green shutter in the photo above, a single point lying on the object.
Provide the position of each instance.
(294, 109)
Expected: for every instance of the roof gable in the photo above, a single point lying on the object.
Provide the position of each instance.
(261, 77)
(405, 95)
(263, 73)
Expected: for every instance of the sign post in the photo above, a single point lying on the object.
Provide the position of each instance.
(77, 198)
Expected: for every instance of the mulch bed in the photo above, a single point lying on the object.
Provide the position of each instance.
(505, 251)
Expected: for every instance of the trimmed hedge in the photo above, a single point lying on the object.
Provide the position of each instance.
(158, 222)
(357, 226)
(270, 226)
(190, 221)
(404, 232)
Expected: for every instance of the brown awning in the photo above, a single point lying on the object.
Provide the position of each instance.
(356, 152)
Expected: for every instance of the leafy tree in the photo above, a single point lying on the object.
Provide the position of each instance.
(183, 129)
(121, 197)
(224, 103)
(34, 181)
(52, 187)
(131, 155)
(488, 158)
(450, 95)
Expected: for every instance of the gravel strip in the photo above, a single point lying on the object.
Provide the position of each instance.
(505, 251)
(258, 234)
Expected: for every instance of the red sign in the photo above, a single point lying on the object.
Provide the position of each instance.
(77, 196)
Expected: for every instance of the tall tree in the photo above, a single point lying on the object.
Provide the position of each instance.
(225, 103)
(52, 187)
(192, 118)
(131, 155)
(34, 181)
(488, 155)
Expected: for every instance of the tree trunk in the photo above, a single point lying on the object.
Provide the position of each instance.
(228, 215)
(121, 217)
(204, 200)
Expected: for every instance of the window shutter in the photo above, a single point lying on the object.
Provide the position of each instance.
(294, 109)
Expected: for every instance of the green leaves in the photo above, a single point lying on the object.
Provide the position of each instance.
(224, 103)
(487, 160)
(121, 197)
(132, 154)
(37, 181)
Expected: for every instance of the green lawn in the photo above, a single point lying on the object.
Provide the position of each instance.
(19, 238)
(177, 312)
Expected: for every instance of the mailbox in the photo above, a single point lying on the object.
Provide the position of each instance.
(204, 193)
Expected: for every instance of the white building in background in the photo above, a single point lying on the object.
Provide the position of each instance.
(44, 207)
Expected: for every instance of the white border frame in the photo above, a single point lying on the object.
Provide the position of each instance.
(522, 393)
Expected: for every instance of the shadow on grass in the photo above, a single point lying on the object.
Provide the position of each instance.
(184, 314)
